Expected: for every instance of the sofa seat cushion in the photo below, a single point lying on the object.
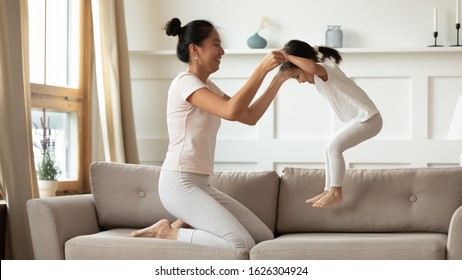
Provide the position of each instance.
(114, 245)
(353, 246)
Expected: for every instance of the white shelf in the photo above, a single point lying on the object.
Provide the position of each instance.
(342, 50)
(401, 50)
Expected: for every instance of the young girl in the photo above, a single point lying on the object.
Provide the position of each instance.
(194, 108)
(362, 119)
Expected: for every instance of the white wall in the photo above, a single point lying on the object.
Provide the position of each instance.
(415, 87)
(366, 23)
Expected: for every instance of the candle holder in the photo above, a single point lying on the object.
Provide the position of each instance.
(457, 28)
(435, 35)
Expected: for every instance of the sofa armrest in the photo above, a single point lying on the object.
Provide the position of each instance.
(454, 247)
(55, 220)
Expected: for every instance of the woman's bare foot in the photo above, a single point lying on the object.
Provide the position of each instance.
(316, 198)
(162, 229)
(334, 196)
(180, 224)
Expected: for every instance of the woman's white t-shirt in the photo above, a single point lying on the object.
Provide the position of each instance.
(192, 131)
(348, 100)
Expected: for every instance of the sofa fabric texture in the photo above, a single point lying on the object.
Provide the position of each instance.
(389, 200)
(353, 246)
(413, 213)
(126, 195)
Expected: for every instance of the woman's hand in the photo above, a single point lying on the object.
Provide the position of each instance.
(284, 54)
(272, 60)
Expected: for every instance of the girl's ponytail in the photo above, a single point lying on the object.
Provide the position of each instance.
(331, 53)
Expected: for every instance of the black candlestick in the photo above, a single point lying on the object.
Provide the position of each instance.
(457, 28)
(435, 35)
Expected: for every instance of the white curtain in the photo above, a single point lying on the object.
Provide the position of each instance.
(113, 81)
(17, 172)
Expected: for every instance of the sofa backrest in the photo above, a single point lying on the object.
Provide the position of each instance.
(257, 190)
(126, 194)
(387, 200)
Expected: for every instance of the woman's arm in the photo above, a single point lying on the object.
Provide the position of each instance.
(232, 108)
(256, 110)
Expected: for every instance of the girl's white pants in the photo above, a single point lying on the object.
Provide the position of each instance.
(347, 137)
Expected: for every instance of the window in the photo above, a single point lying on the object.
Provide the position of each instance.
(63, 128)
(60, 90)
(54, 42)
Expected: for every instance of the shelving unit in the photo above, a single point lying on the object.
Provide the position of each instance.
(342, 50)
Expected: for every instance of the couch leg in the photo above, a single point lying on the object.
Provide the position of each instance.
(2, 230)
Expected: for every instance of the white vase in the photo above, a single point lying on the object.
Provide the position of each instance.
(47, 188)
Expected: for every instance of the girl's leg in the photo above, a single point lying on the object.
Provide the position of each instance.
(346, 138)
(190, 198)
(327, 180)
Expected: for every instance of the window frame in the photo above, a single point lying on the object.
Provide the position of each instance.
(74, 100)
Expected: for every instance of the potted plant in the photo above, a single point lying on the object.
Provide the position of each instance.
(47, 167)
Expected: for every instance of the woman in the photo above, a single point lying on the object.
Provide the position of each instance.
(194, 109)
(362, 119)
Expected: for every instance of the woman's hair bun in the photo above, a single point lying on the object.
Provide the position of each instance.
(173, 27)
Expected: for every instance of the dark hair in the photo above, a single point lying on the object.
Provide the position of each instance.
(194, 32)
(303, 49)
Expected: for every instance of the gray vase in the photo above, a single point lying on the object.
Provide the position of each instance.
(334, 36)
(256, 42)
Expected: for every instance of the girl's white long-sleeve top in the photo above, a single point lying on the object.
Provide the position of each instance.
(347, 99)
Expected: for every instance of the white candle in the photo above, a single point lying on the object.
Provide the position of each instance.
(435, 19)
(457, 11)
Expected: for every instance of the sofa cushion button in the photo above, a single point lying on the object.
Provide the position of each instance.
(141, 194)
(413, 198)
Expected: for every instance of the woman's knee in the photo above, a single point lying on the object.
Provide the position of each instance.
(239, 242)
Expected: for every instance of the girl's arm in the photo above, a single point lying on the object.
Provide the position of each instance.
(307, 65)
(255, 111)
(232, 108)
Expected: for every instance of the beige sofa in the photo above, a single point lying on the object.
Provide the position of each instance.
(386, 214)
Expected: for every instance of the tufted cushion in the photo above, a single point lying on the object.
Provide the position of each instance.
(388, 200)
(126, 194)
(258, 191)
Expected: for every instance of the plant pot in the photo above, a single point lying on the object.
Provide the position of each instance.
(47, 188)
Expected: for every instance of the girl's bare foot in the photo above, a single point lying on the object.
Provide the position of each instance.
(316, 198)
(334, 196)
(161, 229)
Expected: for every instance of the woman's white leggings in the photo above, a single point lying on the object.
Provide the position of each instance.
(217, 220)
(346, 138)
